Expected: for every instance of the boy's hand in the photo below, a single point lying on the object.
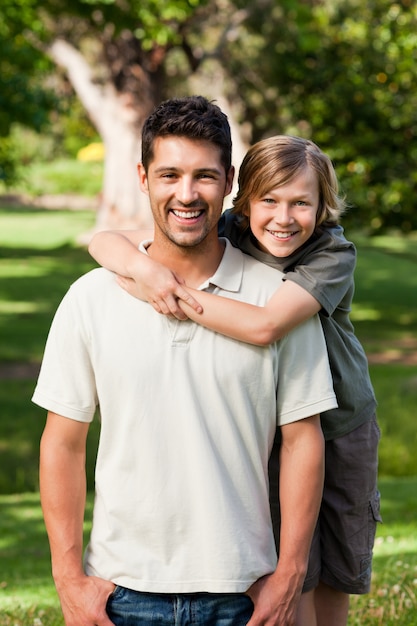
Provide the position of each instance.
(164, 295)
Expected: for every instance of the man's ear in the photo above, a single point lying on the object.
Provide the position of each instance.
(229, 180)
(143, 178)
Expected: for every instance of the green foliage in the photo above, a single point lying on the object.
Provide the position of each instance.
(153, 22)
(125, 43)
(8, 160)
(62, 176)
(27, 98)
(38, 164)
(344, 74)
(23, 96)
(341, 72)
(73, 130)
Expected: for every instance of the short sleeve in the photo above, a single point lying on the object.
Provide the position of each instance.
(305, 385)
(66, 383)
(326, 271)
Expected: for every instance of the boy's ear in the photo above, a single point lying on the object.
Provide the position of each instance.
(143, 179)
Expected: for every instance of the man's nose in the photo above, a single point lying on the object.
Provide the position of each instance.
(187, 190)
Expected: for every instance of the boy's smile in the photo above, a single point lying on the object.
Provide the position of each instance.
(285, 218)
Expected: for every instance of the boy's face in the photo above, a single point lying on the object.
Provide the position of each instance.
(285, 218)
(186, 184)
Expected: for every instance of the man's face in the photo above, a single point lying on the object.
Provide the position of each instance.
(186, 184)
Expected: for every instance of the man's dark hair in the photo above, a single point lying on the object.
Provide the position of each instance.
(192, 117)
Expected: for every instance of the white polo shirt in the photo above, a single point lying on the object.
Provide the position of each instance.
(188, 418)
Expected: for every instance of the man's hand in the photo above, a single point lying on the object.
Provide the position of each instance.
(83, 601)
(275, 601)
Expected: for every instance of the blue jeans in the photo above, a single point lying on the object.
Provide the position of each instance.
(131, 608)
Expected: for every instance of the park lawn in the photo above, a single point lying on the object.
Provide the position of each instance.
(28, 598)
(40, 257)
(27, 593)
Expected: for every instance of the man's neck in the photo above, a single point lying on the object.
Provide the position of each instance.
(192, 264)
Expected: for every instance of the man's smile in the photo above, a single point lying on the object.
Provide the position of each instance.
(186, 214)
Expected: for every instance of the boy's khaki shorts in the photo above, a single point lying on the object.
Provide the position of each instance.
(341, 552)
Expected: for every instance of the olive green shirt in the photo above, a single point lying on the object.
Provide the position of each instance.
(324, 266)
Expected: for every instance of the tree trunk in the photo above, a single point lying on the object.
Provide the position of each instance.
(121, 203)
(210, 82)
(118, 118)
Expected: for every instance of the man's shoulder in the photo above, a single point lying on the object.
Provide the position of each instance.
(91, 282)
(256, 280)
(255, 266)
(97, 274)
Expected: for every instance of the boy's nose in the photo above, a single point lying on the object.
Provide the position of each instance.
(283, 214)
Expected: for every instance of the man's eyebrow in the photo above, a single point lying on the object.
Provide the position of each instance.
(209, 170)
(166, 168)
(202, 170)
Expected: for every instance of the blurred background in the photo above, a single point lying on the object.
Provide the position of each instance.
(77, 80)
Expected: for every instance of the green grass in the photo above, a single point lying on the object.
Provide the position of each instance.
(393, 597)
(27, 593)
(28, 598)
(396, 392)
(384, 309)
(39, 259)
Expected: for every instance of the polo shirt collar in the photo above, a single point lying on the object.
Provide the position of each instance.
(228, 275)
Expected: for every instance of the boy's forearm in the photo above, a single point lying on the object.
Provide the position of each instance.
(289, 306)
(115, 252)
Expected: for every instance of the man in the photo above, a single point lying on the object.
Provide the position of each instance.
(181, 530)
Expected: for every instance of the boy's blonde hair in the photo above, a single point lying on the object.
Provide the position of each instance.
(276, 161)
